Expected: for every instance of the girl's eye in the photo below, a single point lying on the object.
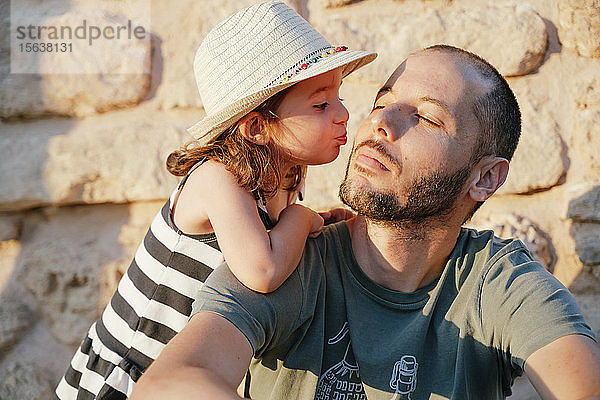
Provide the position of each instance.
(321, 106)
(376, 107)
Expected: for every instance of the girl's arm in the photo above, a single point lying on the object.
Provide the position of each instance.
(261, 260)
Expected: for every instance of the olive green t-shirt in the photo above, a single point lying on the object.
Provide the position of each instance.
(329, 332)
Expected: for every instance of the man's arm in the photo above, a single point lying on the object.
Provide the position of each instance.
(567, 368)
(206, 360)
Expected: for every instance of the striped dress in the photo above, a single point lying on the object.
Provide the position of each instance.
(153, 302)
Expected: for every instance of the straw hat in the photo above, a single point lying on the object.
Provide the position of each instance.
(256, 53)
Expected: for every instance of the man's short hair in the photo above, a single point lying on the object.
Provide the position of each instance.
(496, 110)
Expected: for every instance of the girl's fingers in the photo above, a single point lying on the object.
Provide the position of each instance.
(327, 216)
(336, 215)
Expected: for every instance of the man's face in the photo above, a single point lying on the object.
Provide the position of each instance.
(411, 154)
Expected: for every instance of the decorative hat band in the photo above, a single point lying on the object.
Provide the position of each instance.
(312, 58)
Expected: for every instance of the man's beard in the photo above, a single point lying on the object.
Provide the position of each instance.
(428, 197)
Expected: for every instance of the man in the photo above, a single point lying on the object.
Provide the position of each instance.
(399, 302)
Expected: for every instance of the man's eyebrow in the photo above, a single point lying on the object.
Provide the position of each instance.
(437, 102)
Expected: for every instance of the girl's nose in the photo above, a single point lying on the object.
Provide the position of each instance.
(342, 115)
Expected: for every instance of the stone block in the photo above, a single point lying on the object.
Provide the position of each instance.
(112, 158)
(24, 381)
(395, 30)
(177, 32)
(586, 207)
(508, 226)
(338, 3)
(75, 83)
(539, 161)
(10, 227)
(587, 242)
(73, 257)
(579, 26)
(585, 144)
(15, 318)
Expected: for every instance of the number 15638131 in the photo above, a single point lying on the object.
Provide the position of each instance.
(46, 47)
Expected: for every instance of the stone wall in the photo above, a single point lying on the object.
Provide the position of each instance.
(82, 156)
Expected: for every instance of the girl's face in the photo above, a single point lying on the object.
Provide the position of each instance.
(313, 120)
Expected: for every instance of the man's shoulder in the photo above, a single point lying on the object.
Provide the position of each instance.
(484, 255)
(334, 238)
(500, 264)
(337, 231)
(487, 248)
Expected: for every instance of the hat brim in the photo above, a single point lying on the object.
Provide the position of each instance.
(212, 125)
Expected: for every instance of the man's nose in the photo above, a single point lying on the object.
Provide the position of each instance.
(390, 122)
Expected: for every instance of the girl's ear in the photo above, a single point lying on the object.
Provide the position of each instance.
(251, 127)
(491, 172)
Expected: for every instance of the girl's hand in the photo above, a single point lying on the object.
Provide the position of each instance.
(336, 215)
(317, 223)
(305, 213)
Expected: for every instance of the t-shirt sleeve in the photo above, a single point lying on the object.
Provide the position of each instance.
(524, 307)
(265, 319)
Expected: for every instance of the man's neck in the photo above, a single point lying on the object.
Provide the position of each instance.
(402, 257)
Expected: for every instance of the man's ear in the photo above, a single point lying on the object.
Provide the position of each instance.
(490, 174)
(251, 127)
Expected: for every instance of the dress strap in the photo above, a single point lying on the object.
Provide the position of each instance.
(182, 182)
(295, 196)
(258, 196)
(262, 210)
(175, 193)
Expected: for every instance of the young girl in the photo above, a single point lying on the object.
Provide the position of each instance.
(269, 84)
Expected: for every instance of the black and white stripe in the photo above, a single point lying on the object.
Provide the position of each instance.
(152, 303)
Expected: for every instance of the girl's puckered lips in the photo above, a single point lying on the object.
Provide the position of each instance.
(343, 139)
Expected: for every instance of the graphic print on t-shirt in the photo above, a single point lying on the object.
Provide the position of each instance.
(342, 380)
(404, 377)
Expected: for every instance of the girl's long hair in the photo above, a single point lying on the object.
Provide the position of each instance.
(256, 167)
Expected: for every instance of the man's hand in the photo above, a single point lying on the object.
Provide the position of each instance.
(568, 368)
(206, 360)
(336, 215)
